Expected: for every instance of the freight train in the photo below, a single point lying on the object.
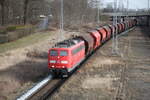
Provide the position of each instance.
(65, 56)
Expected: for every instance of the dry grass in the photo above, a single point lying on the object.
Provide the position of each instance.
(24, 62)
(25, 41)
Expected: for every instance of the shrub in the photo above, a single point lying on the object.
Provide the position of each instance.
(3, 31)
(23, 26)
(3, 38)
(12, 33)
(11, 28)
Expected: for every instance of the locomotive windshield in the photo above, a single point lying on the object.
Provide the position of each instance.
(63, 53)
(53, 53)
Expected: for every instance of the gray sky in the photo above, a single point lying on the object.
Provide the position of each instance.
(133, 4)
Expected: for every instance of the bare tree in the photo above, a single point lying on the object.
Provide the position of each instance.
(28, 11)
(75, 12)
(26, 2)
(2, 2)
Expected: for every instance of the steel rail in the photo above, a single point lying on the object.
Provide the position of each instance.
(35, 89)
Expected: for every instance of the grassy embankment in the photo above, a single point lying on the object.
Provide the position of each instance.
(25, 41)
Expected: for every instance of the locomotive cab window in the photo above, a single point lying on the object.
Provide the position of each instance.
(53, 53)
(63, 53)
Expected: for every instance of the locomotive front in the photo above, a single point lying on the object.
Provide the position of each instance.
(58, 61)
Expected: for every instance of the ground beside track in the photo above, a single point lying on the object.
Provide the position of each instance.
(108, 77)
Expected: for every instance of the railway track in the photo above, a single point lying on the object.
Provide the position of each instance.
(43, 89)
(47, 90)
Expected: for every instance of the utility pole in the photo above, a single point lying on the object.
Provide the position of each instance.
(148, 6)
(116, 35)
(98, 21)
(62, 20)
(148, 18)
(121, 5)
(120, 9)
(127, 7)
(98, 11)
(114, 44)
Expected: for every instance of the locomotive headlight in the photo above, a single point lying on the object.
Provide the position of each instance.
(63, 66)
(64, 62)
(52, 61)
(53, 66)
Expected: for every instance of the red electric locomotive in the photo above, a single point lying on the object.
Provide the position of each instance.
(65, 56)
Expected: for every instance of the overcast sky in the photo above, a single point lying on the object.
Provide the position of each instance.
(133, 4)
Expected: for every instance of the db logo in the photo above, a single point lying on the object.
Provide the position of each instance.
(58, 61)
